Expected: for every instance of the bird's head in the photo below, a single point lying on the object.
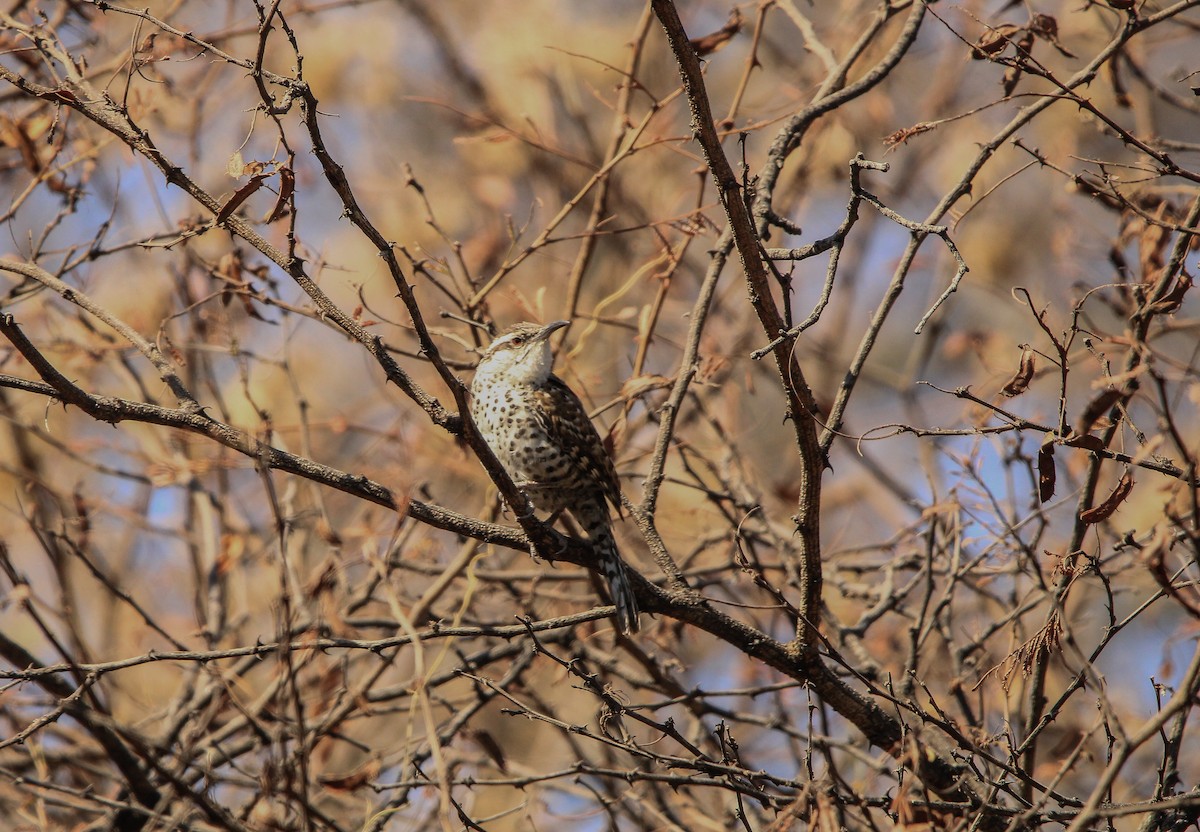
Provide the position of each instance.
(521, 355)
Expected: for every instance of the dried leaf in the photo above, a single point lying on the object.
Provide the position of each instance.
(239, 196)
(287, 186)
(65, 96)
(1105, 510)
(15, 133)
(1097, 408)
(229, 268)
(235, 164)
(1046, 472)
(1026, 657)
(147, 44)
(707, 44)
(1085, 441)
(490, 747)
(1155, 558)
(1019, 383)
(1046, 27)
(1171, 301)
(993, 40)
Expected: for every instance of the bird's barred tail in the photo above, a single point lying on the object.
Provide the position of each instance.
(610, 565)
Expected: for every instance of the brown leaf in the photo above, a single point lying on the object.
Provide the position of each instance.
(239, 196)
(1046, 472)
(1171, 301)
(707, 44)
(13, 133)
(1105, 510)
(1096, 408)
(1085, 441)
(229, 268)
(287, 186)
(1012, 75)
(1046, 27)
(1155, 556)
(1019, 383)
(490, 747)
(1026, 657)
(993, 40)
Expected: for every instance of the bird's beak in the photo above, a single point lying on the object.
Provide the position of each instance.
(550, 329)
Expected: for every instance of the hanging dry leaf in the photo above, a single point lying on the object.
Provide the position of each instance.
(1097, 408)
(1012, 75)
(1026, 657)
(490, 746)
(1046, 472)
(239, 196)
(993, 40)
(1155, 558)
(707, 44)
(1171, 301)
(1085, 441)
(1019, 383)
(1111, 504)
(1046, 27)
(287, 186)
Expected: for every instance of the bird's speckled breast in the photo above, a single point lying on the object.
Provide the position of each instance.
(512, 421)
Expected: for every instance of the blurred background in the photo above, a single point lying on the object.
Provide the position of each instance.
(536, 160)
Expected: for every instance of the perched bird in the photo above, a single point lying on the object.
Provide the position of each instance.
(540, 432)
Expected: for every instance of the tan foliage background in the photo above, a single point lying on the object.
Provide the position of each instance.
(997, 628)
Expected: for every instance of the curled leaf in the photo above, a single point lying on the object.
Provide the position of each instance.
(1046, 472)
(1173, 299)
(287, 186)
(1154, 557)
(1105, 510)
(993, 40)
(239, 196)
(1085, 441)
(1019, 383)
(707, 44)
(1096, 408)
(1046, 27)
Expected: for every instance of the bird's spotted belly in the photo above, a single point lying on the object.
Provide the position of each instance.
(542, 470)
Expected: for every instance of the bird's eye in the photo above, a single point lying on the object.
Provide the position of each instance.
(518, 341)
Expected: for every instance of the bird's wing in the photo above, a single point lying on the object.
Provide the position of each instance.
(570, 427)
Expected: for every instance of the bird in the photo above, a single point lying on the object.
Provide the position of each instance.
(540, 432)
